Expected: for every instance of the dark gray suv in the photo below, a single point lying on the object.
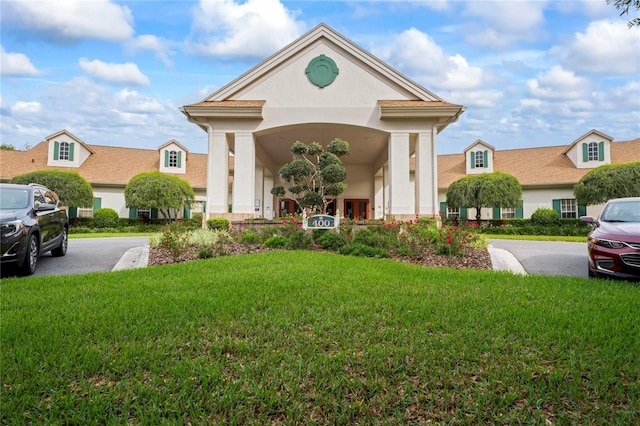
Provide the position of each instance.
(32, 223)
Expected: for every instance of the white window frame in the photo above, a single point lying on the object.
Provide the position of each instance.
(479, 159)
(63, 151)
(173, 159)
(568, 208)
(592, 152)
(453, 213)
(508, 213)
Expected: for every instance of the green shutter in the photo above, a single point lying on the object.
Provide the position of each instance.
(519, 210)
(71, 145)
(585, 152)
(179, 158)
(56, 150)
(443, 208)
(582, 211)
(133, 213)
(73, 212)
(97, 203)
(600, 152)
(154, 213)
(486, 159)
(463, 213)
(186, 213)
(166, 158)
(496, 212)
(472, 157)
(204, 207)
(556, 207)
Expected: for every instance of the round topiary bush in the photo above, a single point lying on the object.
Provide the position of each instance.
(545, 216)
(105, 218)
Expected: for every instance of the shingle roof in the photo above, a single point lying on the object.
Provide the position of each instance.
(535, 166)
(117, 165)
(106, 166)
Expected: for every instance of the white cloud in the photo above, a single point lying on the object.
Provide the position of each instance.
(28, 107)
(158, 45)
(16, 64)
(127, 73)
(255, 28)
(132, 101)
(418, 55)
(605, 47)
(71, 19)
(558, 84)
(504, 22)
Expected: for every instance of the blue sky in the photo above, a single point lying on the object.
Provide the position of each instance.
(530, 73)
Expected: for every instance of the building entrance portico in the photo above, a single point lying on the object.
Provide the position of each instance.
(318, 88)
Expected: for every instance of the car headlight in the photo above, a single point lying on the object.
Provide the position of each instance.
(608, 243)
(9, 229)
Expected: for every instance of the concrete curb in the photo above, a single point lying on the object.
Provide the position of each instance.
(504, 260)
(501, 260)
(137, 257)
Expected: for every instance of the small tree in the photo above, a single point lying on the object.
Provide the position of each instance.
(315, 176)
(72, 189)
(159, 191)
(608, 181)
(485, 190)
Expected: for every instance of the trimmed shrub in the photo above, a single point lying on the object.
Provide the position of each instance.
(361, 250)
(218, 223)
(106, 218)
(277, 241)
(332, 240)
(299, 240)
(545, 216)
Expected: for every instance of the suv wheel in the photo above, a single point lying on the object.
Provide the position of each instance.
(61, 250)
(30, 257)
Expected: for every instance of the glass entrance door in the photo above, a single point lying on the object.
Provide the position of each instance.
(357, 209)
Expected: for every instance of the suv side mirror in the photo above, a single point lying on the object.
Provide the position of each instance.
(43, 207)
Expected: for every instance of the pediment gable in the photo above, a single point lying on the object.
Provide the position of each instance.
(321, 44)
(66, 150)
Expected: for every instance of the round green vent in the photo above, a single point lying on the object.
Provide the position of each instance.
(322, 71)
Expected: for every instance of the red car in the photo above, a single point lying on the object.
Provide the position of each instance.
(614, 241)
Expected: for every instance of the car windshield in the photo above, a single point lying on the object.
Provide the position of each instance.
(622, 211)
(14, 198)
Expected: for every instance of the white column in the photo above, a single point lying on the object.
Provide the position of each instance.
(267, 209)
(217, 173)
(244, 174)
(379, 196)
(399, 183)
(424, 175)
(258, 206)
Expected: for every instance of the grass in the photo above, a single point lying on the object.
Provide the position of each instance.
(110, 235)
(298, 337)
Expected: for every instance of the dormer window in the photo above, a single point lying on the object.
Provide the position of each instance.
(63, 151)
(593, 151)
(173, 159)
(479, 159)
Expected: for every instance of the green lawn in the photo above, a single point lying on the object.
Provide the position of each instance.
(298, 337)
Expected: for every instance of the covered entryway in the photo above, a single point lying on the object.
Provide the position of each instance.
(320, 87)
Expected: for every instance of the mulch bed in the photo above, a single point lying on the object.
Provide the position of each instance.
(474, 258)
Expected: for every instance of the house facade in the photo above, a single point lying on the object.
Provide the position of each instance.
(321, 87)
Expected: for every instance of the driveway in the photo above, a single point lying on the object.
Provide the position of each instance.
(85, 255)
(548, 257)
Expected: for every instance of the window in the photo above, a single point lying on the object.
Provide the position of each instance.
(453, 213)
(63, 151)
(479, 159)
(173, 159)
(356, 209)
(508, 213)
(568, 208)
(593, 151)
